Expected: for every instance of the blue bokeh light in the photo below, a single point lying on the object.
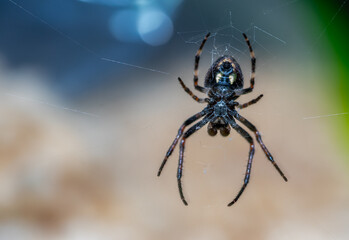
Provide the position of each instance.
(109, 2)
(154, 27)
(123, 25)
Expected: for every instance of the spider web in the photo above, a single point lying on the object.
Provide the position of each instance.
(226, 40)
(81, 45)
(85, 48)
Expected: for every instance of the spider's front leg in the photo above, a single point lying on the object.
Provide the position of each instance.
(196, 67)
(249, 139)
(191, 130)
(253, 69)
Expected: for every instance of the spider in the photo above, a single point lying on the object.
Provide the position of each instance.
(223, 85)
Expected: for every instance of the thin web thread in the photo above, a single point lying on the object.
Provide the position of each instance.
(325, 116)
(52, 105)
(81, 45)
(314, 44)
(223, 37)
(329, 23)
(221, 48)
(280, 6)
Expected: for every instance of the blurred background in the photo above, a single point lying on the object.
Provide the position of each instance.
(90, 103)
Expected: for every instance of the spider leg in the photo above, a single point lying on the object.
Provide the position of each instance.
(200, 100)
(249, 139)
(196, 67)
(189, 132)
(259, 140)
(253, 101)
(253, 69)
(179, 134)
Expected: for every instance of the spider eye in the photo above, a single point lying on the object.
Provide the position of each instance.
(218, 77)
(232, 78)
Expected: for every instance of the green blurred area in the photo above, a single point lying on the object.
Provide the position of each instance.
(333, 16)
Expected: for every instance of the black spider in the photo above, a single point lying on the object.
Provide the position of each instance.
(223, 84)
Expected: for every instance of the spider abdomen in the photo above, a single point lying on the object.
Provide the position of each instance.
(218, 124)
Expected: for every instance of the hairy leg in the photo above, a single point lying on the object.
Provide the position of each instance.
(200, 100)
(253, 101)
(249, 139)
(190, 131)
(253, 70)
(179, 134)
(259, 140)
(196, 67)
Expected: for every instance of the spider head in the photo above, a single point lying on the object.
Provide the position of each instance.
(225, 71)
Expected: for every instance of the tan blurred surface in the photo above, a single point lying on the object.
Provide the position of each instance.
(69, 176)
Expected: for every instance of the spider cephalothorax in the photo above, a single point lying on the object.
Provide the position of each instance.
(223, 85)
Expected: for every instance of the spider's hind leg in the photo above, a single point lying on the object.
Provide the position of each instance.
(259, 140)
(179, 134)
(189, 132)
(249, 139)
